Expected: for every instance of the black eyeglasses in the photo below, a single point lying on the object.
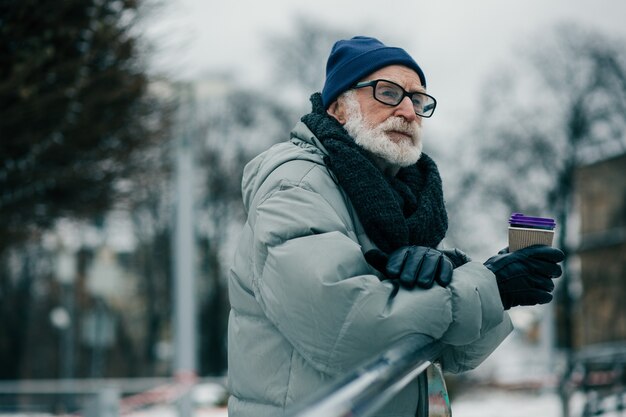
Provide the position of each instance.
(392, 94)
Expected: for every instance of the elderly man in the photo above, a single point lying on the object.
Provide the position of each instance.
(338, 258)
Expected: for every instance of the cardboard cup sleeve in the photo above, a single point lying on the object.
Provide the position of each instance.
(520, 237)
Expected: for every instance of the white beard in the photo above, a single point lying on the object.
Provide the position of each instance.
(376, 139)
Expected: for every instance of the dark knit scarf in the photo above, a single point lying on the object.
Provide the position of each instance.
(407, 209)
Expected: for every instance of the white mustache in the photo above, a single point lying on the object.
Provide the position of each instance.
(398, 124)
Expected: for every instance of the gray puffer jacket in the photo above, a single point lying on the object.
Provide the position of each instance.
(305, 305)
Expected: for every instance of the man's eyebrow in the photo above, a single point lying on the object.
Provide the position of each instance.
(419, 89)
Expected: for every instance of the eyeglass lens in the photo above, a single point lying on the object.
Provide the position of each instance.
(393, 94)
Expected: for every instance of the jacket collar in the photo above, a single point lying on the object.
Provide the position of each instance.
(303, 133)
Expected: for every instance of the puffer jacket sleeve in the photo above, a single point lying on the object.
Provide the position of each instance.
(313, 283)
(474, 281)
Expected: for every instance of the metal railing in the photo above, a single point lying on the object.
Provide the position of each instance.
(369, 387)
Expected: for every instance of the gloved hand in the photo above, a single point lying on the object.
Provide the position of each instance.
(378, 259)
(457, 256)
(419, 265)
(525, 276)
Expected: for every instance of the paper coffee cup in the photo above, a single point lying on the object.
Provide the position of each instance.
(520, 237)
(527, 231)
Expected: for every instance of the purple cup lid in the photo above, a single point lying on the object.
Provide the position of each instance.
(520, 220)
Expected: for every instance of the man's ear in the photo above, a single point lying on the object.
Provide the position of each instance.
(338, 111)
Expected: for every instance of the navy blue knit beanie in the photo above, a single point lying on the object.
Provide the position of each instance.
(351, 60)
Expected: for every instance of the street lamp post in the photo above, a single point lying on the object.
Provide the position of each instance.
(183, 252)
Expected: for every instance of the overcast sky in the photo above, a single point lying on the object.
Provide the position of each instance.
(458, 43)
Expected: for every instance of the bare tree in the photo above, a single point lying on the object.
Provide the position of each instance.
(300, 58)
(559, 107)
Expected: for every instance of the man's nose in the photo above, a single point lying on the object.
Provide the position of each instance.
(405, 109)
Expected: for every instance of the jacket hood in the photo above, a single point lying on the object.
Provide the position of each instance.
(307, 148)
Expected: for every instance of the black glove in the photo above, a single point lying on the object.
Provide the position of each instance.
(378, 259)
(419, 265)
(525, 276)
(457, 256)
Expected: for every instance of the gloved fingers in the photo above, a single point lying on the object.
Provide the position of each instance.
(545, 268)
(543, 297)
(444, 274)
(521, 257)
(544, 252)
(533, 297)
(413, 266)
(527, 280)
(515, 264)
(503, 251)
(498, 262)
(557, 272)
(542, 283)
(417, 265)
(464, 256)
(427, 271)
(396, 261)
(528, 297)
(551, 270)
(377, 258)
(457, 256)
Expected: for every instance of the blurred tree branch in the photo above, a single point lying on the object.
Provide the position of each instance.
(557, 108)
(76, 109)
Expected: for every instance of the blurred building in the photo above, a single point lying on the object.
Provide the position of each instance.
(601, 196)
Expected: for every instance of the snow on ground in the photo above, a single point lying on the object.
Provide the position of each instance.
(479, 403)
(497, 403)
